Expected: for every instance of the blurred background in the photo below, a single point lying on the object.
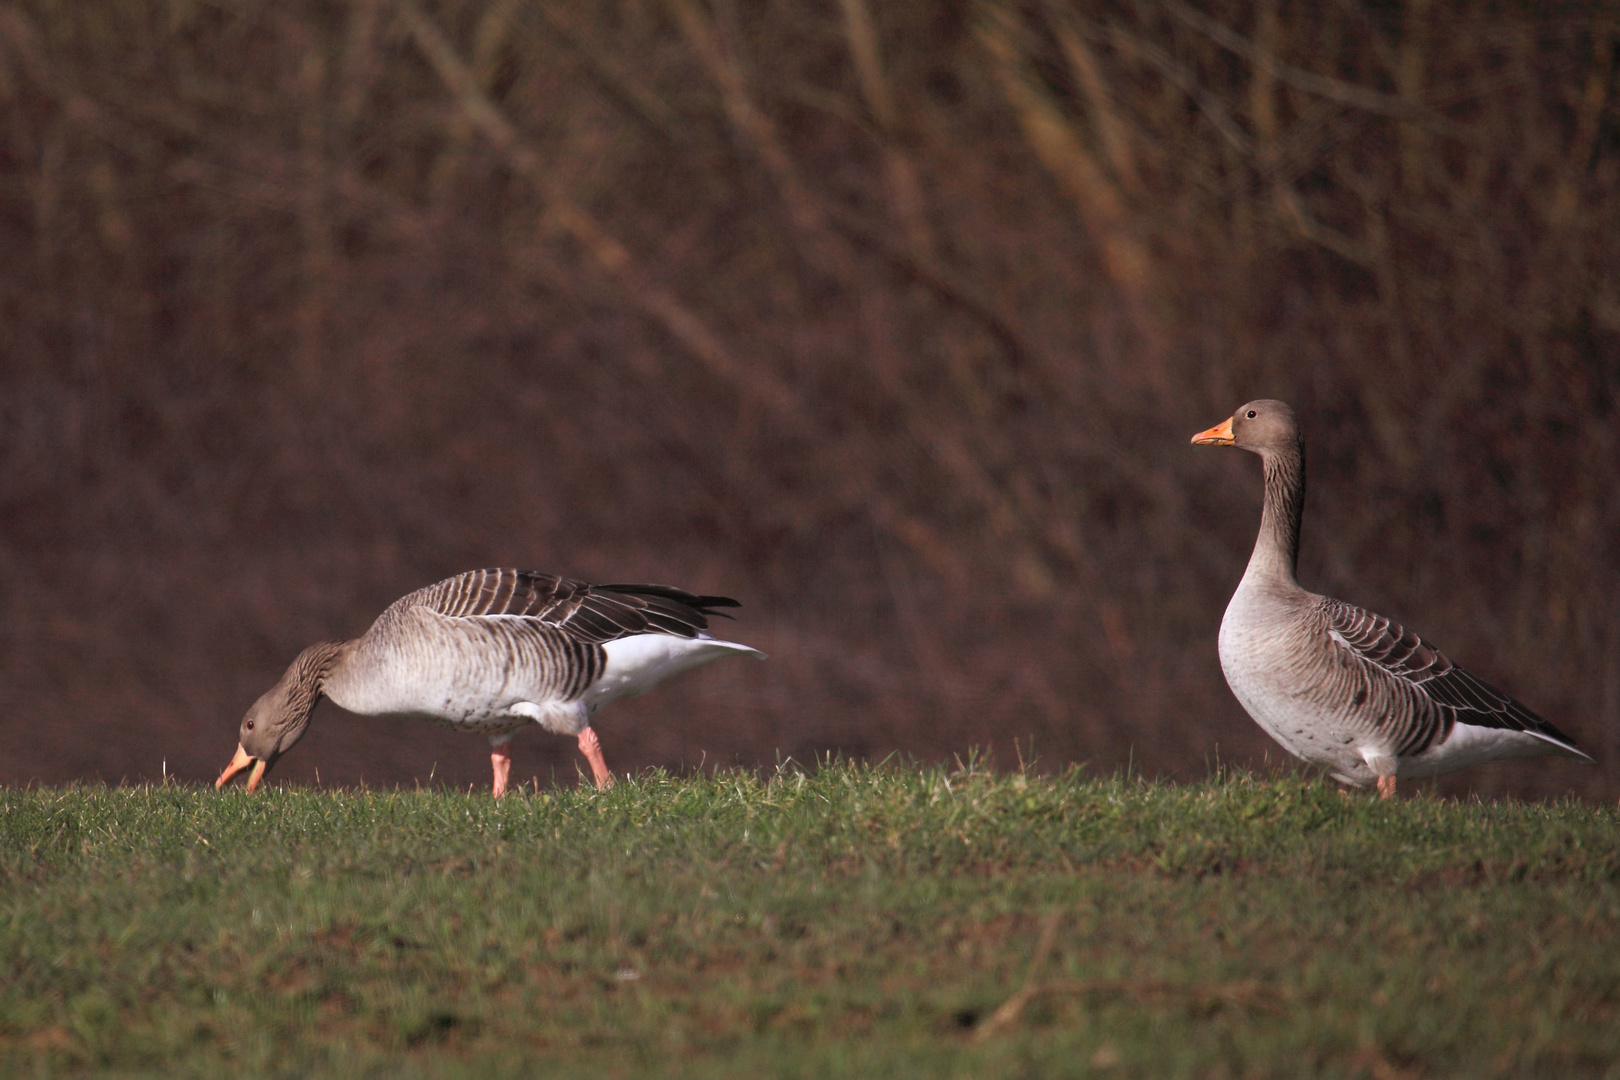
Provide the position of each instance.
(892, 321)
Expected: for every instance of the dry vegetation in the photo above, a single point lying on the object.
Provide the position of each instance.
(890, 320)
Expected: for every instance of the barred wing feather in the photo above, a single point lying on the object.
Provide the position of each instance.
(1453, 693)
(589, 613)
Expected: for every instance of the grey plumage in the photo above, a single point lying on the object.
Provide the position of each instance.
(1337, 685)
(492, 651)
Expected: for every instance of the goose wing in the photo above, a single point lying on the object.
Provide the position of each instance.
(1440, 693)
(591, 614)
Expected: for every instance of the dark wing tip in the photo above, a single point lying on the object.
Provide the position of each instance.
(703, 605)
(707, 603)
(1479, 703)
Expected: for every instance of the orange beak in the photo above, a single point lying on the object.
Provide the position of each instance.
(1219, 435)
(241, 761)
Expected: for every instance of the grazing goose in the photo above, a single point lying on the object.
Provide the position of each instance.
(491, 651)
(1337, 685)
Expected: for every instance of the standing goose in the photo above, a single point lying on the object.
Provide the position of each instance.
(1335, 684)
(491, 651)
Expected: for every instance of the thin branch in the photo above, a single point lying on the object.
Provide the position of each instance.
(1097, 199)
(1251, 995)
(922, 270)
(1344, 93)
(1010, 1009)
(609, 254)
(1294, 213)
(750, 121)
(1183, 80)
(813, 215)
(1112, 131)
(613, 78)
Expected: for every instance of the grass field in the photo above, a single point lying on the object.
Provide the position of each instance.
(847, 922)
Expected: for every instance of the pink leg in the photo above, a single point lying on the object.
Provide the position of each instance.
(1386, 787)
(591, 747)
(500, 756)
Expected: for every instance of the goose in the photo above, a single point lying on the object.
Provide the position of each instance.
(1335, 684)
(492, 651)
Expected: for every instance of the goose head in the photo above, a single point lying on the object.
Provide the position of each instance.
(1263, 427)
(281, 715)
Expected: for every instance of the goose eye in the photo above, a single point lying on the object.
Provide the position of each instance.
(1250, 414)
(248, 725)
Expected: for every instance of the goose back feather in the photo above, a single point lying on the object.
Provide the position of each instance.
(591, 613)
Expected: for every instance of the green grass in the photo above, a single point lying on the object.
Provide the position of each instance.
(852, 922)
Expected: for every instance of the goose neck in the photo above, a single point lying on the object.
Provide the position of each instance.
(1276, 549)
(317, 664)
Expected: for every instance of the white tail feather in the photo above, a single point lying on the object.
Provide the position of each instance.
(640, 662)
